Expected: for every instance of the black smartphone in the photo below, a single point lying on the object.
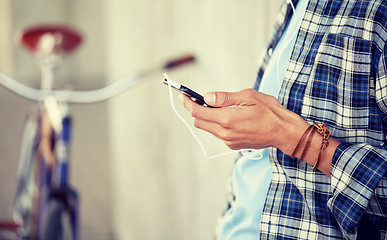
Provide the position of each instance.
(196, 97)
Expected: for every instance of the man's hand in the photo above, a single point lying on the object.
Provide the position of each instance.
(247, 119)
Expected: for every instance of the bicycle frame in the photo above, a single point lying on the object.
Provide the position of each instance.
(46, 206)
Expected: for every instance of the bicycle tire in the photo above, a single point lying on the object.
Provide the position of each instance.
(56, 223)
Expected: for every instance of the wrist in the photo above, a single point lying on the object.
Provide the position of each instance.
(290, 132)
(318, 149)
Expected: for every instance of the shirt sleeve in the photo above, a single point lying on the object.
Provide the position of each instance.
(358, 173)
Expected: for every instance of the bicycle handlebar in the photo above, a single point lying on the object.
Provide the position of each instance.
(178, 62)
(90, 96)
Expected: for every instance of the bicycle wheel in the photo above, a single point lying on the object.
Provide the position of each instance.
(56, 222)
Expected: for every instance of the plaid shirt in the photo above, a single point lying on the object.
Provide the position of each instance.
(337, 75)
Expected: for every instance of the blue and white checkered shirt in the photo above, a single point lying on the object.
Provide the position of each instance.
(337, 75)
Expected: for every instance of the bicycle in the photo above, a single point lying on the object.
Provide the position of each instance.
(45, 205)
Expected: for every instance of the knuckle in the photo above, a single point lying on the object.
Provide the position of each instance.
(227, 136)
(222, 98)
(226, 98)
(196, 123)
(272, 99)
(185, 104)
(249, 92)
(194, 113)
(227, 122)
(228, 143)
(232, 145)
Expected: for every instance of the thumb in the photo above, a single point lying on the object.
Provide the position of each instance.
(224, 99)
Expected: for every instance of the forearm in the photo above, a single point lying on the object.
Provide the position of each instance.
(312, 152)
(290, 131)
(249, 119)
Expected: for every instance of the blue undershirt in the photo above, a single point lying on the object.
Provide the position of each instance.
(251, 178)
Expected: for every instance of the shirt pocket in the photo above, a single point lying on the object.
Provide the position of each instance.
(338, 90)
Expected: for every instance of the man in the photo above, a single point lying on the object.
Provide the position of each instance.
(329, 180)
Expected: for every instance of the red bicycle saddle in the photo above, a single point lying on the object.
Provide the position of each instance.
(65, 39)
(9, 226)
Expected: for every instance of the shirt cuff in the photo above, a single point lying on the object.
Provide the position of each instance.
(356, 171)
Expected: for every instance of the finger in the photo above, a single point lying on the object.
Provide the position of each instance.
(227, 99)
(202, 112)
(211, 127)
(188, 103)
(224, 134)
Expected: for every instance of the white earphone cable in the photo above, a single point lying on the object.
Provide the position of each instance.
(291, 3)
(244, 152)
(287, 43)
